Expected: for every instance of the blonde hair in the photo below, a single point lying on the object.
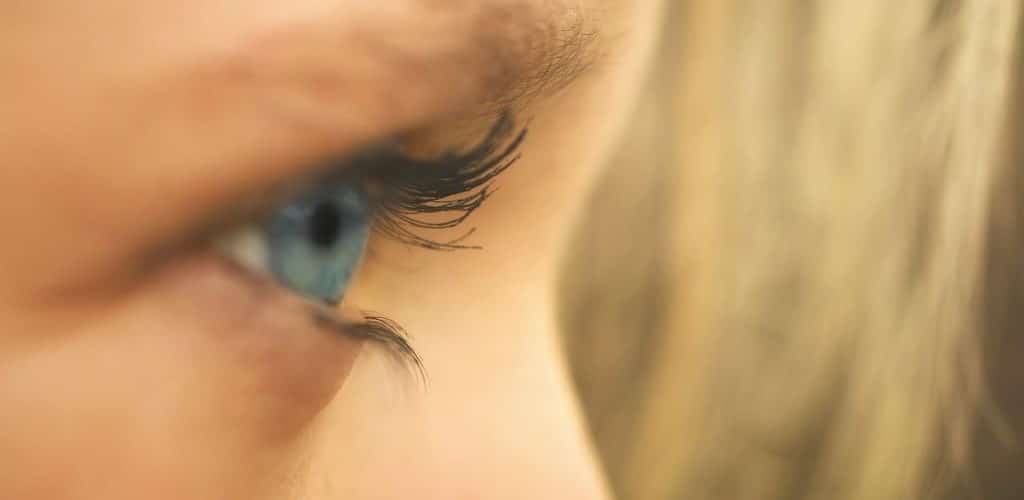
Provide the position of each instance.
(820, 330)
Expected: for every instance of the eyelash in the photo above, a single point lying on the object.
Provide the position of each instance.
(405, 191)
(455, 184)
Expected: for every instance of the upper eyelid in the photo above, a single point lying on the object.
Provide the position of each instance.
(452, 183)
(250, 126)
(317, 91)
(466, 176)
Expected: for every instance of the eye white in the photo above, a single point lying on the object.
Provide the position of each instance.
(248, 247)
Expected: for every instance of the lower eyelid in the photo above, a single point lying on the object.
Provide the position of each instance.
(344, 320)
(279, 358)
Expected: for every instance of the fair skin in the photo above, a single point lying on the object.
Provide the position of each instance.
(135, 363)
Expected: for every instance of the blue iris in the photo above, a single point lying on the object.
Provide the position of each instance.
(316, 242)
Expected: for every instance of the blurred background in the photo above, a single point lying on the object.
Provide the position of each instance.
(799, 280)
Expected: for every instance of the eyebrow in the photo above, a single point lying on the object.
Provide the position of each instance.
(423, 57)
(543, 50)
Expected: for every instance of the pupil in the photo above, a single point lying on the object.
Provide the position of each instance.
(325, 225)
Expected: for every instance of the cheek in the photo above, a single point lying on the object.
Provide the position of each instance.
(168, 393)
(496, 419)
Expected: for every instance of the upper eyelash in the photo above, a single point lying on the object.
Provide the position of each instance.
(453, 184)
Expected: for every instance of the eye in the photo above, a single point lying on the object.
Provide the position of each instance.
(312, 244)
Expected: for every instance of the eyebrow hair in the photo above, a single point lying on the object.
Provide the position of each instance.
(560, 45)
(525, 48)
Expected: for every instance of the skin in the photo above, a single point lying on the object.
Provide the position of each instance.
(138, 363)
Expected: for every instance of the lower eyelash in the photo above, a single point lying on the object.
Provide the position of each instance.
(379, 330)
